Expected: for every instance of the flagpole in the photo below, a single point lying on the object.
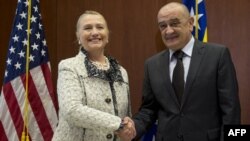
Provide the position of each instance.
(25, 134)
(196, 21)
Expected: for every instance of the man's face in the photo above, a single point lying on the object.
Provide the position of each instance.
(175, 27)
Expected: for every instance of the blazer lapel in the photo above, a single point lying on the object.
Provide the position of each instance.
(164, 69)
(196, 58)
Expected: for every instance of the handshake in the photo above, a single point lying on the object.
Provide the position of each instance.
(127, 131)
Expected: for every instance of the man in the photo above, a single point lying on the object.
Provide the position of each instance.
(209, 98)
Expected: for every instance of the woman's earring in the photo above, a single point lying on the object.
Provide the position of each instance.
(79, 42)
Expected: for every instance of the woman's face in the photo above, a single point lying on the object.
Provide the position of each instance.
(92, 32)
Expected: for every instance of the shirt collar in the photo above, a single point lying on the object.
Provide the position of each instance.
(188, 48)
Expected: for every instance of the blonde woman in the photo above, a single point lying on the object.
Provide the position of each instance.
(93, 90)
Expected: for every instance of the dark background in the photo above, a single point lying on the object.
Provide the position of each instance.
(135, 36)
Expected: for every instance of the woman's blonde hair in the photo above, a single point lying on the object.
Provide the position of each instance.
(89, 12)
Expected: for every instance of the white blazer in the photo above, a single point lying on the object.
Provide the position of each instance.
(90, 108)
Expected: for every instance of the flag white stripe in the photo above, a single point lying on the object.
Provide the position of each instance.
(20, 94)
(7, 121)
(38, 78)
(49, 66)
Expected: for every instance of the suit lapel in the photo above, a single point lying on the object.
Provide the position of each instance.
(164, 69)
(196, 58)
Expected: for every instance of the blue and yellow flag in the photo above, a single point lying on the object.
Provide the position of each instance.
(150, 135)
(197, 9)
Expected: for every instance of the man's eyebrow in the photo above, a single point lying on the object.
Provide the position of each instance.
(171, 20)
(175, 19)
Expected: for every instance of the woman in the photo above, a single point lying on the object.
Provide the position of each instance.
(93, 90)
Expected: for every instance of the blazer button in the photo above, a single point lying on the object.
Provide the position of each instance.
(108, 100)
(109, 136)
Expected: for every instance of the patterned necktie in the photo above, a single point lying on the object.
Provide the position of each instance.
(178, 75)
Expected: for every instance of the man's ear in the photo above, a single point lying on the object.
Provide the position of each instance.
(191, 23)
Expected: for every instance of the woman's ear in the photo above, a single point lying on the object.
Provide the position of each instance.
(77, 36)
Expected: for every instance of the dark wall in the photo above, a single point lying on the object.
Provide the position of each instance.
(135, 36)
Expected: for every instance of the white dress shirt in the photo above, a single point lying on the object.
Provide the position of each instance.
(188, 50)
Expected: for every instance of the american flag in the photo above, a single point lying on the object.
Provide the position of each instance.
(41, 109)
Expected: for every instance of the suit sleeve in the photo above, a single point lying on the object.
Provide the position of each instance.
(228, 90)
(148, 111)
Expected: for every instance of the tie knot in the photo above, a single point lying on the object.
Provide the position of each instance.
(178, 54)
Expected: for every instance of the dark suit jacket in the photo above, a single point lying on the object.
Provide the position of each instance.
(210, 98)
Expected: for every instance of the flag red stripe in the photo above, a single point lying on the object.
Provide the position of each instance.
(47, 76)
(3, 136)
(14, 108)
(38, 110)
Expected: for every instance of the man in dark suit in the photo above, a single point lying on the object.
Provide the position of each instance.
(209, 98)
